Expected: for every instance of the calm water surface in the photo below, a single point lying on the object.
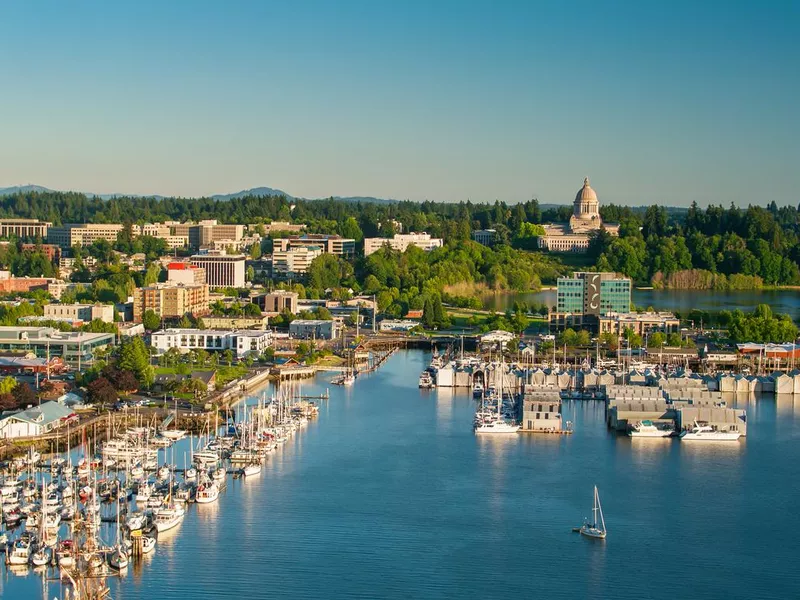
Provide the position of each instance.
(388, 494)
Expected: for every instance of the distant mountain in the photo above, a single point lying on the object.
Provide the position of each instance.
(23, 189)
(257, 191)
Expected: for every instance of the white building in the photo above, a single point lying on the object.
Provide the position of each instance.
(484, 237)
(37, 420)
(242, 342)
(294, 261)
(79, 312)
(314, 329)
(401, 241)
(222, 270)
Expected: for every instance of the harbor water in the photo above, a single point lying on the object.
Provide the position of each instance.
(389, 494)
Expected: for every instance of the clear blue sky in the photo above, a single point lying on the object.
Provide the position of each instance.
(446, 100)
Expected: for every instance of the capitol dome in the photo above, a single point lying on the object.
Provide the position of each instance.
(586, 193)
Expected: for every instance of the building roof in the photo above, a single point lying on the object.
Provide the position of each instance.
(45, 413)
(586, 193)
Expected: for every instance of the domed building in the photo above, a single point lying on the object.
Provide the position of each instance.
(585, 219)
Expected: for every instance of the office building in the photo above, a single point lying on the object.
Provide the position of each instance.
(222, 270)
(83, 234)
(23, 229)
(584, 297)
(307, 329)
(80, 312)
(640, 323)
(171, 300)
(293, 262)
(277, 301)
(329, 244)
(401, 241)
(241, 342)
(74, 348)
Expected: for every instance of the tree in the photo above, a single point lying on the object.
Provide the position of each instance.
(101, 391)
(23, 394)
(7, 385)
(151, 320)
(227, 356)
(134, 356)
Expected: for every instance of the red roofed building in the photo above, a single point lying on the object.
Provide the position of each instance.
(184, 272)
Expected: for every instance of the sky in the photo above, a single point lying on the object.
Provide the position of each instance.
(657, 102)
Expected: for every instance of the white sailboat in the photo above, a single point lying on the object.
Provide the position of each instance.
(497, 424)
(595, 529)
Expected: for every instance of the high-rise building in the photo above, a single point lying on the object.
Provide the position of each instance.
(222, 270)
(171, 300)
(584, 297)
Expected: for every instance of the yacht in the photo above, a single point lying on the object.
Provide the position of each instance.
(20, 552)
(497, 426)
(706, 433)
(648, 429)
(426, 380)
(207, 493)
(168, 517)
(173, 434)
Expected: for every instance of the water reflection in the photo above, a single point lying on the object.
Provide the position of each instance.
(786, 404)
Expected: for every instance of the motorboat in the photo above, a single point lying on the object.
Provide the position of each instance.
(137, 471)
(218, 475)
(136, 520)
(597, 528)
(20, 552)
(190, 473)
(648, 429)
(148, 544)
(426, 380)
(207, 493)
(706, 433)
(168, 517)
(173, 434)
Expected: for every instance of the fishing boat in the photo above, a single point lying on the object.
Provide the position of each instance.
(648, 429)
(706, 433)
(596, 529)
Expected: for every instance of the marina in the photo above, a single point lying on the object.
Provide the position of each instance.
(356, 478)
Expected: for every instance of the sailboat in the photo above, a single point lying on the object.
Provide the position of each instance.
(496, 424)
(595, 529)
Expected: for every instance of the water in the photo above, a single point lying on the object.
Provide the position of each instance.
(389, 494)
(781, 301)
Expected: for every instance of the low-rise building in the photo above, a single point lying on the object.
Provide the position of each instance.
(184, 272)
(80, 312)
(314, 329)
(236, 322)
(171, 300)
(401, 241)
(23, 229)
(75, 348)
(241, 342)
(9, 283)
(541, 409)
(277, 301)
(35, 421)
(278, 226)
(395, 325)
(639, 323)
